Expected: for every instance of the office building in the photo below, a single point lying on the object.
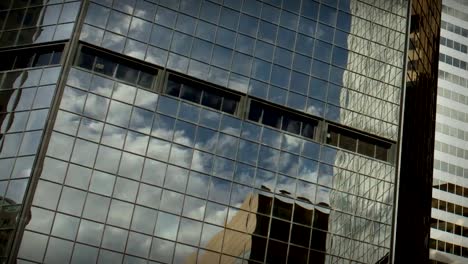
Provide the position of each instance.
(449, 232)
(199, 131)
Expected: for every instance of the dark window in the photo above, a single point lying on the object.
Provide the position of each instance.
(450, 208)
(271, 117)
(8, 60)
(441, 245)
(30, 57)
(128, 74)
(42, 59)
(451, 187)
(173, 88)
(332, 137)
(414, 26)
(348, 141)
(360, 143)
(381, 151)
(366, 147)
(211, 100)
(465, 232)
(442, 205)
(432, 243)
(86, 60)
(255, 112)
(145, 79)
(200, 93)
(25, 60)
(443, 187)
(189, 93)
(442, 225)
(105, 66)
(291, 125)
(308, 129)
(449, 248)
(284, 120)
(56, 57)
(450, 227)
(457, 250)
(229, 105)
(113, 66)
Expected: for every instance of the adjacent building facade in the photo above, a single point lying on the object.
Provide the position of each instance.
(449, 232)
(199, 131)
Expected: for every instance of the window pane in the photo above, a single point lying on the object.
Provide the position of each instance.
(126, 73)
(348, 141)
(211, 100)
(366, 148)
(105, 66)
(190, 93)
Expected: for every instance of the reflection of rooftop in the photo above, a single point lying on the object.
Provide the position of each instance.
(245, 233)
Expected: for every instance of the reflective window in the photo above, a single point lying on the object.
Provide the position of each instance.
(191, 171)
(37, 22)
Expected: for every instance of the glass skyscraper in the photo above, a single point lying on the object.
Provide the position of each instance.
(449, 232)
(200, 131)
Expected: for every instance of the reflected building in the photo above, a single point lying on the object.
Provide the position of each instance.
(449, 222)
(142, 131)
(253, 219)
(417, 157)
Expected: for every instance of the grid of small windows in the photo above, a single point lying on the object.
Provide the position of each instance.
(452, 95)
(454, 28)
(111, 66)
(452, 188)
(202, 94)
(462, 2)
(453, 78)
(30, 57)
(452, 113)
(450, 168)
(25, 98)
(449, 227)
(451, 149)
(455, 12)
(133, 176)
(453, 61)
(451, 131)
(449, 207)
(448, 247)
(27, 22)
(265, 49)
(453, 44)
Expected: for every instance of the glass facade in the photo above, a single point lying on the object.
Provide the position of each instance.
(203, 131)
(417, 147)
